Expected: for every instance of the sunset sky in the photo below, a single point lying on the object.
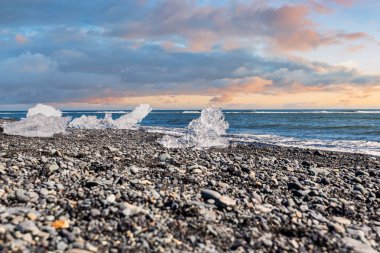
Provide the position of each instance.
(190, 53)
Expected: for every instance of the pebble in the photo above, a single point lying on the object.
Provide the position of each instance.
(111, 198)
(325, 181)
(77, 251)
(21, 195)
(360, 188)
(226, 201)
(252, 175)
(127, 199)
(220, 200)
(210, 194)
(131, 210)
(52, 166)
(164, 156)
(95, 212)
(337, 228)
(341, 220)
(91, 247)
(295, 186)
(263, 209)
(134, 169)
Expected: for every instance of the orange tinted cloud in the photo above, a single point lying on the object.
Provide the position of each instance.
(288, 27)
(244, 86)
(344, 2)
(353, 36)
(356, 48)
(21, 39)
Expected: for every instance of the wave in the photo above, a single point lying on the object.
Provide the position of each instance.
(350, 146)
(165, 130)
(301, 112)
(367, 111)
(95, 112)
(11, 113)
(191, 112)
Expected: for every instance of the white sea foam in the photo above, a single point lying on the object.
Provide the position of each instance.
(95, 112)
(196, 112)
(41, 121)
(300, 112)
(203, 132)
(367, 111)
(126, 121)
(351, 146)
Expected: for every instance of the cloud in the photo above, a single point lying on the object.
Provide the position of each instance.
(21, 39)
(241, 86)
(344, 2)
(76, 51)
(74, 76)
(287, 27)
(189, 25)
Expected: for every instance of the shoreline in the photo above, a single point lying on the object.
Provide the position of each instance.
(119, 190)
(248, 139)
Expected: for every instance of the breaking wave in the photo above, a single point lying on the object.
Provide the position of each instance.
(191, 112)
(350, 146)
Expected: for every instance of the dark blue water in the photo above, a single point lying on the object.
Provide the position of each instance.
(345, 130)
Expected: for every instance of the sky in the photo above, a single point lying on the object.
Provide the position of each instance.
(187, 54)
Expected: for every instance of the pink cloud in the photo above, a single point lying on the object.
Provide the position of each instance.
(241, 86)
(344, 2)
(287, 27)
(21, 39)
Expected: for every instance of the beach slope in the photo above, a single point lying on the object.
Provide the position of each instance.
(121, 191)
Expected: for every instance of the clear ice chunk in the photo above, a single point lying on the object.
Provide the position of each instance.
(87, 122)
(126, 121)
(131, 119)
(37, 125)
(203, 132)
(46, 110)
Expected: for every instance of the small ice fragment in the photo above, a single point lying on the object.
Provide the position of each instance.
(126, 121)
(203, 132)
(45, 110)
(37, 125)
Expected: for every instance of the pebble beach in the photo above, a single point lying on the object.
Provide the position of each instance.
(121, 191)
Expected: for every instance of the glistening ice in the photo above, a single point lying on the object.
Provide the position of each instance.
(126, 121)
(203, 132)
(41, 121)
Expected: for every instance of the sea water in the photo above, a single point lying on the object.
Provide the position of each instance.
(339, 130)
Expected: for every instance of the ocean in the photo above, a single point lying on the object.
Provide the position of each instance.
(355, 131)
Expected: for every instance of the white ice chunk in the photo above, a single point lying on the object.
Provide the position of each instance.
(45, 110)
(126, 121)
(92, 122)
(131, 119)
(87, 122)
(37, 125)
(203, 132)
